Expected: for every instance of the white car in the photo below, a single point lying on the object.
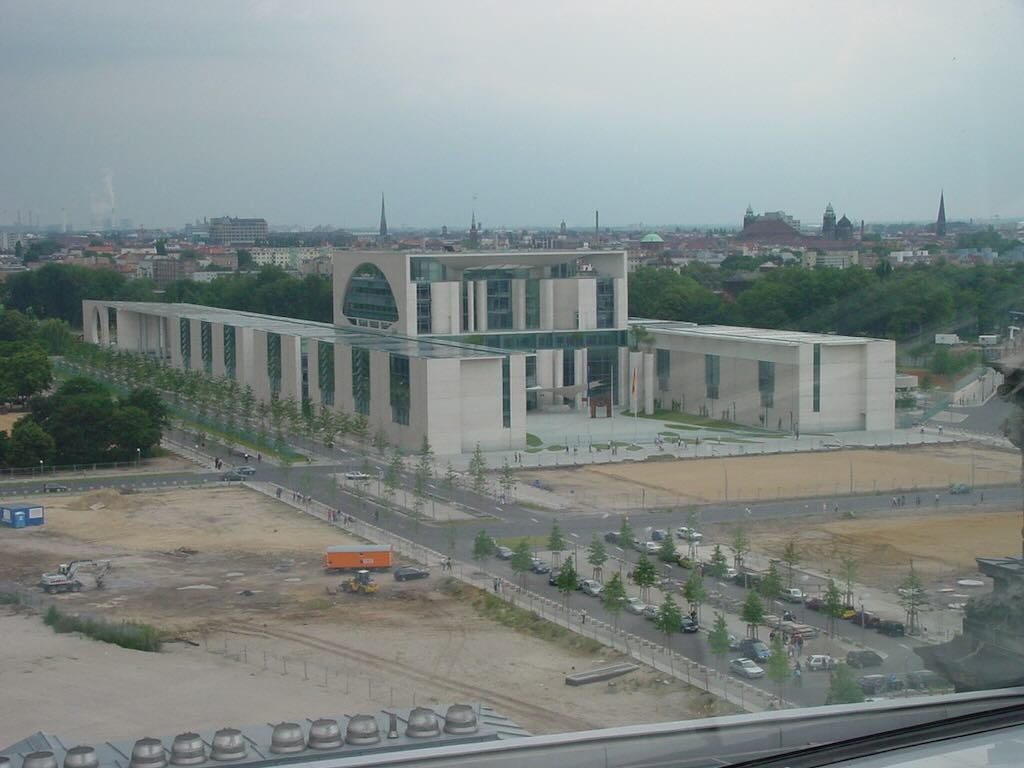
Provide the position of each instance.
(652, 547)
(820, 663)
(635, 605)
(356, 476)
(731, 573)
(651, 612)
(792, 595)
(591, 587)
(689, 534)
(745, 668)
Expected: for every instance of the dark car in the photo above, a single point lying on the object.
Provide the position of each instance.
(408, 572)
(612, 537)
(873, 685)
(553, 578)
(247, 471)
(55, 488)
(539, 566)
(863, 659)
(891, 628)
(689, 625)
(865, 619)
(755, 649)
(812, 603)
(232, 477)
(926, 680)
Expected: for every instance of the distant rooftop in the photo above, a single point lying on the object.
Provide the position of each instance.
(767, 335)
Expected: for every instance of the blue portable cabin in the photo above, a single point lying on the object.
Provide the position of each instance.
(22, 516)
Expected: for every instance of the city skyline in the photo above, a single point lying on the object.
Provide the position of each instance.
(669, 114)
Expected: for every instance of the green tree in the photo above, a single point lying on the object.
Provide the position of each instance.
(740, 546)
(556, 542)
(913, 598)
(597, 556)
(752, 612)
(507, 483)
(483, 546)
(24, 371)
(54, 336)
(669, 619)
(718, 566)
(613, 597)
(567, 580)
(149, 401)
(695, 592)
(644, 576)
(522, 558)
(848, 570)
(843, 688)
(832, 606)
(478, 471)
(667, 551)
(791, 557)
(29, 445)
(626, 535)
(771, 585)
(718, 639)
(380, 440)
(778, 664)
(421, 477)
(393, 476)
(450, 482)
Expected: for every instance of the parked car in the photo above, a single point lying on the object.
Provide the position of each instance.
(731, 573)
(926, 680)
(874, 685)
(689, 625)
(652, 547)
(891, 628)
(734, 643)
(247, 471)
(591, 587)
(409, 572)
(356, 476)
(820, 663)
(553, 578)
(504, 553)
(813, 603)
(745, 668)
(958, 488)
(792, 595)
(639, 546)
(635, 605)
(848, 613)
(55, 488)
(539, 566)
(754, 649)
(864, 658)
(232, 477)
(651, 612)
(659, 534)
(688, 534)
(866, 619)
(612, 537)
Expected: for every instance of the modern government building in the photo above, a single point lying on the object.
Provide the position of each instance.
(458, 347)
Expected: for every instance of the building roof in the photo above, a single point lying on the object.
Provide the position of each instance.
(732, 332)
(652, 237)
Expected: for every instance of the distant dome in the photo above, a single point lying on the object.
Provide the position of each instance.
(651, 237)
(845, 220)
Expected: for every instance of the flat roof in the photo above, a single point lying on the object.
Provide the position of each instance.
(742, 333)
(308, 329)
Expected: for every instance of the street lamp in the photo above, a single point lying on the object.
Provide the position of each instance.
(41, 471)
(138, 458)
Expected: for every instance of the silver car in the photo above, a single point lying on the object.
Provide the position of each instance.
(745, 668)
(591, 587)
(635, 605)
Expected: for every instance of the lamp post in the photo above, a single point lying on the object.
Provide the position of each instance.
(41, 473)
(138, 458)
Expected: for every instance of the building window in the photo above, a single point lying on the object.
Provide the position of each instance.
(325, 371)
(304, 370)
(605, 302)
(185, 336)
(361, 380)
(466, 290)
(423, 307)
(602, 366)
(206, 345)
(568, 367)
(712, 372)
(369, 297)
(499, 305)
(274, 362)
(230, 364)
(663, 366)
(506, 392)
(533, 303)
(766, 383)
(817, 379)
(399, 383)
(427, 270)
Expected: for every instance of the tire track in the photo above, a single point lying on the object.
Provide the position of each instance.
(506, 703)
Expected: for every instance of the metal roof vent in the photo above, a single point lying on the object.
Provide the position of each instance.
(227, 745)
(188, 749)
(422, 724)
(325, 733)
(39, 760)
(460, 719)
(81, 757)
(148, 753)
(287, 737)
(362, 730)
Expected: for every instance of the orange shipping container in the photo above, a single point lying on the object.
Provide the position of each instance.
(370, 556)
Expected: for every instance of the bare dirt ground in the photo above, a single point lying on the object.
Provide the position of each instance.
(8, 420)
(235, 571)
(747, 478)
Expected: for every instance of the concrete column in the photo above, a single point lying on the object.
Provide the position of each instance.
(519, 304)
(545, 376)
(128, 336)
(256, 365)
(343, 399)
(517, 401)
(581, 375)
(219, 368)
(547, 304)
(481, 305)
(635, 369)
(586, 303)
(470, 308)
(649, 381)
(621, 303)
(174, 339)
(196, 337)
(623, 375)
(313, 369)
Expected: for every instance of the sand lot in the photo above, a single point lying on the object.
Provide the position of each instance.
(778, 476)
(239, 574)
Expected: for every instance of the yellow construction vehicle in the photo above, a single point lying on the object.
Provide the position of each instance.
(360, 583)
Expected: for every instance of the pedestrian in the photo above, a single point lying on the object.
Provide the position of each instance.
(799, 644)
(982, 497)
(836, 509)
(936, 499)
(583, 616)
(798, 676)
(376, 519)
(919, 499)
(279, 493)
(495, 586)
(259, 457)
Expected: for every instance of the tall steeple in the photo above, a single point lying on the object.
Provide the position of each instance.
(383, 219)
(940, 223)
(474, 233)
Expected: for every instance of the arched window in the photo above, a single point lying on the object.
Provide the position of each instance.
(368, 300)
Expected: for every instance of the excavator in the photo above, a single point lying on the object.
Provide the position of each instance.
(360, 583)
(66, 578)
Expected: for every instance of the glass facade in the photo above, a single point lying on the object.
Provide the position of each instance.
(602, 369)
(817, 378)
(499, 305)
(531, 342)
(206, 345)
(766, 383)
(325, 371)
(506, 392)
(304, 368)
(427, 270)
(663, 368)
(605, 302)
(230, 358)
(185, 337)
(361, 380)
(712, 373)
(274, 362)
(399, 385)
(369, 301)
(568, 367)
(533, 303)
(467, 288)
(423, 307)
(531, 381)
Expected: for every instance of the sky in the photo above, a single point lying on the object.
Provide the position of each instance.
(530, 112)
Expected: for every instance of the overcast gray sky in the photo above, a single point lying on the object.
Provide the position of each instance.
(660, 112)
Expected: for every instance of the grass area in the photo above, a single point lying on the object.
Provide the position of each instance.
(506, 614)
(127, 634)
(556, 448)
(533, 441)
(10, 598)
(682, 427)
(660, 457)
(535, 542)
(705, 422)
(733, 440)
(534, 450)
(668, 433)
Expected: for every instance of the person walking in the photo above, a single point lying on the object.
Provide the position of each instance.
(798, 676)
(583, 616)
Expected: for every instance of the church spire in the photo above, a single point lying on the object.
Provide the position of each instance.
(940, 222)
(383, 219)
